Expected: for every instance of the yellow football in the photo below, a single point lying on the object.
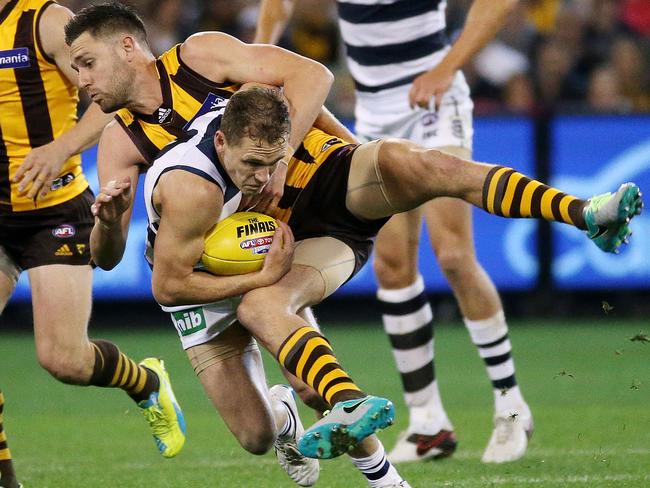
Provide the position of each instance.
(238, 244)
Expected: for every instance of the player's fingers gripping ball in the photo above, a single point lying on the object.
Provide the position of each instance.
(238, 244)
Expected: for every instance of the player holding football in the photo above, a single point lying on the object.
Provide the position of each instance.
(343, 201)
(408, 85)
(45, 217)
(161, 96)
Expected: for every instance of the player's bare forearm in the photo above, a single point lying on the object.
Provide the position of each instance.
(86, 132)
(327, 122)
(306, 83)
(484, 20)
(175, 289)
(107, 244)
(272, 20)
(306, 92)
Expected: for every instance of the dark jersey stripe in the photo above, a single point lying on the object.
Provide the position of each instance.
(196, 87)
(368, 14)
(392, 84)
(136, 133)
(4, 13)
(289, 196)
(38, 34)
(5, 185)
(31, 88)
(303, 155)
(399, 52)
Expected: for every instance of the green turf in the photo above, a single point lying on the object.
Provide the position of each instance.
(592, 422)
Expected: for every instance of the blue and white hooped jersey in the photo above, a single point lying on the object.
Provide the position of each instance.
(388, 44)
(198, 156)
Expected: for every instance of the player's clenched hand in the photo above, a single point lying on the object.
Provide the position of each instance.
(40, 167)
(428, 88)
(112, 201)
(278, 261)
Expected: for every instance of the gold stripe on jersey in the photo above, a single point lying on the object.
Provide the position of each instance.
(185, 93)
(37, 103)
(316, 147)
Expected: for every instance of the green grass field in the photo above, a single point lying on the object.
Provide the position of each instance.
(587, 384)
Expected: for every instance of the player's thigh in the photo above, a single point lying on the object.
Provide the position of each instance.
(320, 266)
(449, 220)
(230, 369)
(9, 273)
(61, 302)
(396, 249)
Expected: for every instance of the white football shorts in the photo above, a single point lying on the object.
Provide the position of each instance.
(387, 114)
(198, 324)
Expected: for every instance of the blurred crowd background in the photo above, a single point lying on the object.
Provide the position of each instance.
(553, 55)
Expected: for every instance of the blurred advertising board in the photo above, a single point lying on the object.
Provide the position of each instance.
(592, 155)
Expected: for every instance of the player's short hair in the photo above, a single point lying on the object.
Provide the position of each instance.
(258, 113)
(105, 19)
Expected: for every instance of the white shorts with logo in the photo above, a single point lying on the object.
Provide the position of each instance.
(388, 114)
(198, 324)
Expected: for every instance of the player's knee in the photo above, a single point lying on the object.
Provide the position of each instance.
(254, 307)
(393, 271)
(257, 443)
(454, 260)
(63, 364)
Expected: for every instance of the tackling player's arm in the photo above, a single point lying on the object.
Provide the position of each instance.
(305, 83)
(180, 241)
(484, 20)
(272, 20)
(118, 167)
(44, 163)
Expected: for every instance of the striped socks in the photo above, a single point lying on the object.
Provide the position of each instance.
(113, 369)
(309, 356)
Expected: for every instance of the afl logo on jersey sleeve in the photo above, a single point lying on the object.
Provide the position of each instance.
(14, 58)
(64, 231)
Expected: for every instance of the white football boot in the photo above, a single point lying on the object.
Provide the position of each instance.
(411, 446)
(303, 470)
(509, 441)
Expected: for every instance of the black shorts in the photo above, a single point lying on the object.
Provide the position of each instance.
(320, 209)
(54, 235)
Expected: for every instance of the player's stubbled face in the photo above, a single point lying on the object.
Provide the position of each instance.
(250, 163)
(102, 73)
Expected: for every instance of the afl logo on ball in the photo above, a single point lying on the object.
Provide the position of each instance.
(64, 231)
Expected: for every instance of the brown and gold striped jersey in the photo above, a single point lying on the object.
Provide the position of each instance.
(37, 104)
(315, 149)
(186, 95)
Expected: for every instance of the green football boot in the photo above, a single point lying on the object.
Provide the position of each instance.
(162, 412)
(608, 216)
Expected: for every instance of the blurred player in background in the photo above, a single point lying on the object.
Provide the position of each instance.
(409, 85)
(45, 217)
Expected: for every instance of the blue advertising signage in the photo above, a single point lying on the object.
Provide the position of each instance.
(506, 248)
(593, 155)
